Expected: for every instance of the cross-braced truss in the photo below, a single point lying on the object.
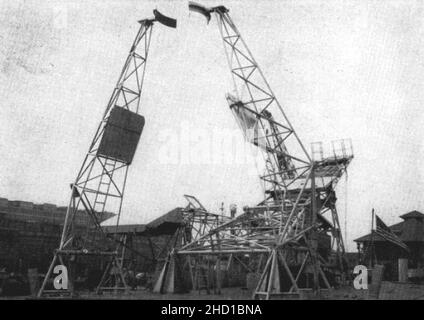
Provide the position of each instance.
(100, 184)
(285, 226)
(196, 221)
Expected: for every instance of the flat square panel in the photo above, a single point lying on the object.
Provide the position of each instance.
(121, 135)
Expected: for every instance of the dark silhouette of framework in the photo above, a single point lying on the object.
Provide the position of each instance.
(196, 221)
(100, 183)
(285, 227)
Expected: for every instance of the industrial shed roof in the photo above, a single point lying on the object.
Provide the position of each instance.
(165, 224)
(126, 228)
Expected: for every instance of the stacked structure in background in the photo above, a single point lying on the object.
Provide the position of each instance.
(30, 232)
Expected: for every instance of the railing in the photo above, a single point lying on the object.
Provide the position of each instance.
(340, 149)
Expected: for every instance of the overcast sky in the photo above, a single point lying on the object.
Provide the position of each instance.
(341, 69)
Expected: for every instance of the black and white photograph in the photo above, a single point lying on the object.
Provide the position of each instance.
(224, 151)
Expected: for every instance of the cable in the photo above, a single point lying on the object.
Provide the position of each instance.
(345, 211)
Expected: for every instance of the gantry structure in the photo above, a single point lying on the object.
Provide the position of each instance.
(100, 183)
(282, 233)
(196, 221)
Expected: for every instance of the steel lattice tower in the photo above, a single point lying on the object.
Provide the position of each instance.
(285, 227)
(99, 187)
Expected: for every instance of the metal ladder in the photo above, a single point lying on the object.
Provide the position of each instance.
(104, 187)
(202, 277)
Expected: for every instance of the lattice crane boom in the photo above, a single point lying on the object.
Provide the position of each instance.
(254, 93)
(98, 190)
(286, 224)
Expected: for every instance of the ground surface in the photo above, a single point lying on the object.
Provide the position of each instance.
(388, 291)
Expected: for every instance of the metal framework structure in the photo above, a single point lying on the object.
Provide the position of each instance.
(286, 226)
(100, 184)
(196, 222)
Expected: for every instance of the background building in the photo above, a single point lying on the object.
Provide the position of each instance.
(411, 232)
(29, 233)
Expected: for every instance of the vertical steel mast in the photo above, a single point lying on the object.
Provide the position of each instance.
(99, 187)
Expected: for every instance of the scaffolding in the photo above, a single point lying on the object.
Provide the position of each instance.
(282, 232)
(100, 183)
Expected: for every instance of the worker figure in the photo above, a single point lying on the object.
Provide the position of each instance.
(114, 273)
